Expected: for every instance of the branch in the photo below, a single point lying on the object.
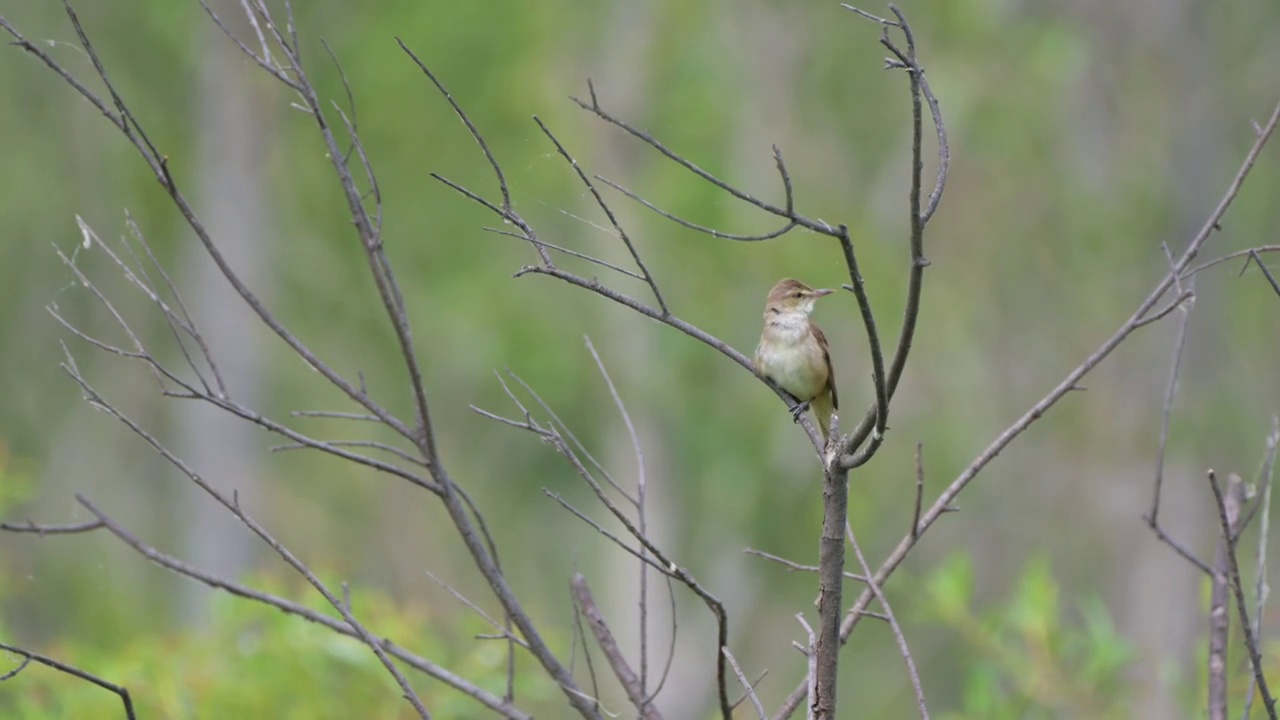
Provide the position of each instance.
(746, 684)
(918, 220)
(613, 220)
(1253, 255)
(642, 520)
(1237, 588)
(291, 608)
(232, 505)
(1170, 390)
(851, 452)
(1220, 596)
(893, 623)
(42, 530)
(595, 620)
(1231, 256)
(1261, 589)
(659, 560)
(28, 656)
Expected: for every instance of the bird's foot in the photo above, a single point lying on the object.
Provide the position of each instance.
(799, 409)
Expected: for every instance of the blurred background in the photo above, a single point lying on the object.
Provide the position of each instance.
(1083, 135)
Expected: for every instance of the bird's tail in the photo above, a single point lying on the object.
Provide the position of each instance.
(822, 411)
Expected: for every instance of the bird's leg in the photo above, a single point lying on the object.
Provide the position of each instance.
(800, 408)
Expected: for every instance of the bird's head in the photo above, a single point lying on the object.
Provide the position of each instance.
(792, 296)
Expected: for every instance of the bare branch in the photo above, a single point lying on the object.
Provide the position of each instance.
(1170, 390)
(502, 631)
(1186, 554)
(893, 623)
(608, 211)
(1220, 596)
(915, 516)
(264, 61)
(790, 565)
(641, 515)
(1231, 256)
(859, 291)
(918, 220)
(291, 608)
(642, 557)
(389, 449)
(233, 506)
(746, 684)
(1253, 255)
(786, 227)
(42, 530)
(621, 670)
(471, 127)
(28, 656)
(1156, 315)
(1237, 588)
(567, 251)
(335, 415)
(1261, 589)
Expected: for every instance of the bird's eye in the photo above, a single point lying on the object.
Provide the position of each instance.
(796, 293)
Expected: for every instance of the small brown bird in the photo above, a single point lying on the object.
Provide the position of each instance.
(793, 351)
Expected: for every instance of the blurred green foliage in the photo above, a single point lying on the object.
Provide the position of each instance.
(256, 662)
(1028, 656)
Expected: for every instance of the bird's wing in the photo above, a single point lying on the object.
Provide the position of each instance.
(826, 355)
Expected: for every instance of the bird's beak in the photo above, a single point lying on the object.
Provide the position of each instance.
(822, 292)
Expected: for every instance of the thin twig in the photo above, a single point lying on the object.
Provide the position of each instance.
(790, 565)
(893, 623)
(28, 656)
(1170, 390)
(1230, 256)
(811, 675)
(641, 515)
(719, 234)
(1253, 255)
(42, 530)
(915, 515)
(608, 211)
(746, 684)
(503, 632)
(567, 251)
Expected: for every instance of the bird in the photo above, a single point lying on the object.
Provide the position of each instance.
(793, 351)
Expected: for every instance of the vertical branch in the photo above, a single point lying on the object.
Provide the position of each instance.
(835, 485)
(811, 666)
(1237, 589)
(1261, 589)
(1170, 390)
(1219, 599)
(835, 511)
(641, 516)
(920, 93)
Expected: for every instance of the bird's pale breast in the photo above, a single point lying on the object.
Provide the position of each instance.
(787, 355)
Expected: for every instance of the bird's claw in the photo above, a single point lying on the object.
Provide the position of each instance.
(799, 409)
